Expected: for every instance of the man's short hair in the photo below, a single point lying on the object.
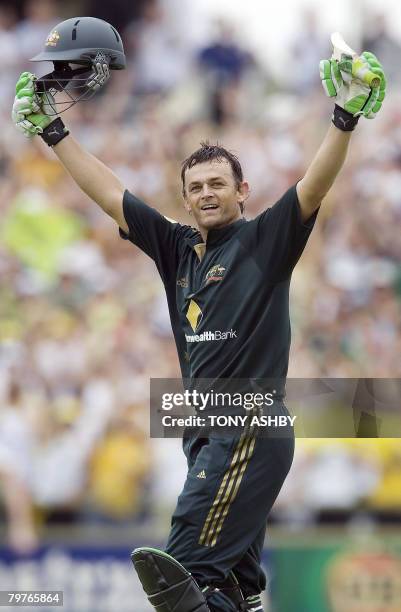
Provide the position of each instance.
(208, 152)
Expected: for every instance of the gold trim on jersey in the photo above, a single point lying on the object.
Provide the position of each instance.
(200, 250)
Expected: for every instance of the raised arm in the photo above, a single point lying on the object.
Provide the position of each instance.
(323, 170)
(344, 81)
(91, 175)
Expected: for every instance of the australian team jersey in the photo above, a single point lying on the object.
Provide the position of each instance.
(228, 298)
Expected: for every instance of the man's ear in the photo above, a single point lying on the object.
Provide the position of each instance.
(243, 192)
(187, 206)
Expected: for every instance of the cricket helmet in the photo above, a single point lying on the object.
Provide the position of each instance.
(77, 47)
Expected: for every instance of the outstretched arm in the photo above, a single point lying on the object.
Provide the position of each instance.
(93, 177)
(323, 171)
(34, 114)
(346, 82)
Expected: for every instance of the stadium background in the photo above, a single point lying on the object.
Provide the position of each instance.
(84, 322)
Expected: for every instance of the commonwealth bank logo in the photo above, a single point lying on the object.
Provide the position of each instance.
(194, 315)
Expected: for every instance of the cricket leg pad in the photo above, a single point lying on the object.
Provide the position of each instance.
(167, 584)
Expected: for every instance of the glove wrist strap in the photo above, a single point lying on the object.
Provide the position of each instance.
(343, 120)
(54, 132)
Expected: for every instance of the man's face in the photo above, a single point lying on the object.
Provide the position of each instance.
(212, 194)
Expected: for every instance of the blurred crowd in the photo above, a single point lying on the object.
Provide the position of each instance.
(83, 319)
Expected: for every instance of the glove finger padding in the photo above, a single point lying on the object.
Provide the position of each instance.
(331, 77)
(25, 101)
(378, 94)
(372, 103)
(21, 108)
(356, 98)
(31, 112)
(361, 70)
(26, 79)
(28, 129)
(374, 63)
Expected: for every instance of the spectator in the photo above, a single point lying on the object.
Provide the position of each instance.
(309, 47)
(157, 58)
(224, 64)
(378, 39)
(16, 453)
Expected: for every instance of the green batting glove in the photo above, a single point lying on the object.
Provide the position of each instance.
(378, 94)
(29, 110)
(344, 81)
(351, 96)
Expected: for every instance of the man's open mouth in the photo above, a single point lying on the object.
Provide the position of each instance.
(209, 207)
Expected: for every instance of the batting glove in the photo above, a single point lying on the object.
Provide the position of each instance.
(348, 82)
(29, 109)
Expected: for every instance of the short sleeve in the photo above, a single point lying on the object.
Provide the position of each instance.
(282, 234)
(156, 235)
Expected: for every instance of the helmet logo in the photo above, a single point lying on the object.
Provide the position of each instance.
(52, 39)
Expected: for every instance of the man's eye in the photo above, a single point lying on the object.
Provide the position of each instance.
(194, 188)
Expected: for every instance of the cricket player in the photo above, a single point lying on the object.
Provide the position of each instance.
(227, 282)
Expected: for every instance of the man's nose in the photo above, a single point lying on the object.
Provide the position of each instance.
(206, 191)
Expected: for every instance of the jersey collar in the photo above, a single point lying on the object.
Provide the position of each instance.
(221, 234)
(214, 237)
